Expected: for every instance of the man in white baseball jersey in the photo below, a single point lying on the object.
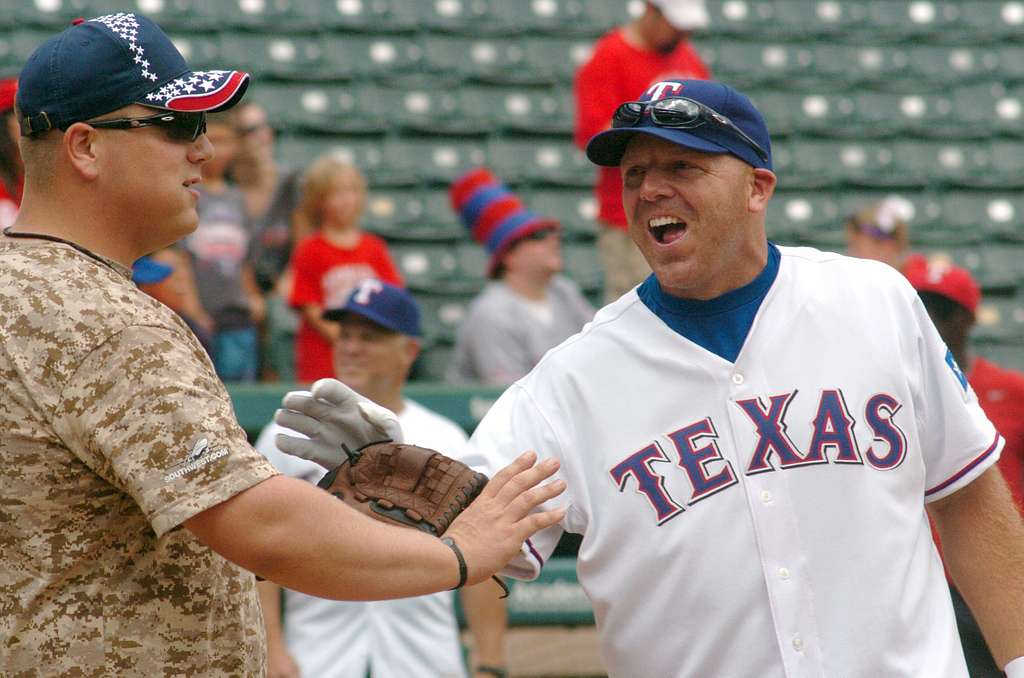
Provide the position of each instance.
(751, 435)
(379, 327)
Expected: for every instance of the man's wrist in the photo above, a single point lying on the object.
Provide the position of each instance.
(491, 670)
(1015, 669)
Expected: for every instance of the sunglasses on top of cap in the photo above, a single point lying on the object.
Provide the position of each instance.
(179, 126)
(680, 113)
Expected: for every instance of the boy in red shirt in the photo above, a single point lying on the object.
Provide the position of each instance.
(328, 264)
(653, 47)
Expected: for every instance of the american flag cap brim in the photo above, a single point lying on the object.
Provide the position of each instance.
(213, 90)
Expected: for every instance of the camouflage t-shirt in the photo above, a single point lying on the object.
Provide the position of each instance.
(114, 430)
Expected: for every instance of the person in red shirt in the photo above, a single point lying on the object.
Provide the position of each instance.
(651, 48)
(951, 296)
(328, 264)
(11, 172)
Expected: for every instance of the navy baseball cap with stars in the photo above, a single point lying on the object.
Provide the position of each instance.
(725, 121)
(103, 64)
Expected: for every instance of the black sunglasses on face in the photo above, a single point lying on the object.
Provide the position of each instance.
(680, 113)
(180, 126)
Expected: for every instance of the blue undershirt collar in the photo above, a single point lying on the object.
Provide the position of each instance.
(719, 325)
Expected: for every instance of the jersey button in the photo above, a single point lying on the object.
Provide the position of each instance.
(766, 496)
(798, 644)
(783, 573)
(737, 378)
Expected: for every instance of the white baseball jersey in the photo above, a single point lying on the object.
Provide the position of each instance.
(763, 517)
(391, 638)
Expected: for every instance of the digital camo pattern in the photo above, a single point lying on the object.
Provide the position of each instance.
(115, 430)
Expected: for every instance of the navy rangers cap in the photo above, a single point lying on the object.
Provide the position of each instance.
(390, 306)
(103, 64)
(702, 115)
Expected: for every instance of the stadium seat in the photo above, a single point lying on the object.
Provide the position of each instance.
(300, 151)
(996, 267)
(483, 59)
(270, 16)
(796, 217)
(806, 164)
(554, 17)
(412, 215)
(432, 363)
(437, 160)
(200, 49)
(376, 58)
(288, 56)
(185, 15)
(432, 110)
(464, 17)
(555, 60)
(583, 265)
(324, 108)
(442, 314)
(519, 109)
(1010, 356)
(575, 210)
(540, 162)
(1000, 319)
(392, 16)
(424, 266)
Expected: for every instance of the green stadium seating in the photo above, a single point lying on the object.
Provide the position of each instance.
(804, 217)
(299, 151)
(438, 160)
(270, 16)
(1010, 355)
(200, 49)
(185, 15)
(376, 58)
(432, 363)
(575, 209)
(1000, 319)
(464, 17)
(391, 16)
(583, 265)
(442, 314)
(806, 164)
(540, 162)
(286, 56)
(519, 110)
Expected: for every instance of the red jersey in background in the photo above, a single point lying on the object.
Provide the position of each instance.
(324, 274)
(617, 72)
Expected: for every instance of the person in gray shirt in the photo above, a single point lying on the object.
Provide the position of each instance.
(527, 307)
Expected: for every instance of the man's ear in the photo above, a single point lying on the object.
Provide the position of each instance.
(79, 146)
(762, 188)
(412, 349)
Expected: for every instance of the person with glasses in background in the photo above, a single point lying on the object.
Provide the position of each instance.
(754, 437)
(652, 47)
(133, 511)
(526, 307)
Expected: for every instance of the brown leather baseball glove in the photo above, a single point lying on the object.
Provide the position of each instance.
(405, 484)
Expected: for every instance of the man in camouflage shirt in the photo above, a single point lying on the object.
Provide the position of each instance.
(133, 511)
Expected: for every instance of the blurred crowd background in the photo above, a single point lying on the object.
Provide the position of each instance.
(381, 105)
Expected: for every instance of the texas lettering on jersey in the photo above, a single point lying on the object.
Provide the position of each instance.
(697, 453)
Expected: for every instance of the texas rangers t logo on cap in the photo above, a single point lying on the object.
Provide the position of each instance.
(658, 90)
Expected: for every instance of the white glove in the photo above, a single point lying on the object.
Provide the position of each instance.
(1015, 669)
(332, 416)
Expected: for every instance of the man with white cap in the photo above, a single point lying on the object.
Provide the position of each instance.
(653, 47)
(131, 504)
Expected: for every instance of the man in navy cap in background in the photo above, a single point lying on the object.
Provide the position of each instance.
(378, 341)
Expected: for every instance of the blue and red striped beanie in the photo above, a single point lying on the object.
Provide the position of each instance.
(494, 215)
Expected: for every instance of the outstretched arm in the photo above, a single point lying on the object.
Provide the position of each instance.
(304, 539)
(982, 537)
